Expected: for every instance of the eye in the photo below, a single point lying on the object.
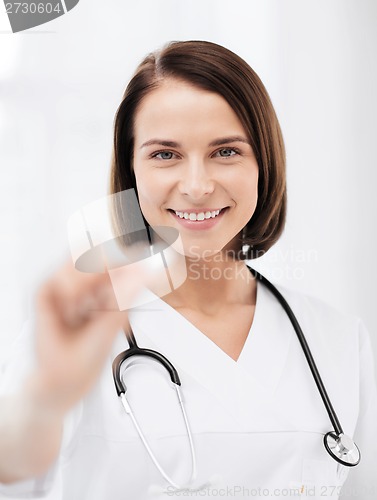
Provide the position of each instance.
(163, 155)
(227, 152)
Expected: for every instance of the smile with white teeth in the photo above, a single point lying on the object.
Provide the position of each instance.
(199, 216)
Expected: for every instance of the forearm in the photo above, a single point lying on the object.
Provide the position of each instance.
(30, 437)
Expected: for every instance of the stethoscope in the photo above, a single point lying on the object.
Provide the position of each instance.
(340, 446)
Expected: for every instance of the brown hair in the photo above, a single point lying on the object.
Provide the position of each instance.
(212, 67)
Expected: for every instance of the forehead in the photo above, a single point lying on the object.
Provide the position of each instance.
(180, 108)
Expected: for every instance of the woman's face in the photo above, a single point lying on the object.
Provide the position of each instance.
(192, 158)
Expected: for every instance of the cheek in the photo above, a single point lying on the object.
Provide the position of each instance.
(150, 198)
(248, 191)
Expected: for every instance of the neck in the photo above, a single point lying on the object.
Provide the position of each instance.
(213, 284)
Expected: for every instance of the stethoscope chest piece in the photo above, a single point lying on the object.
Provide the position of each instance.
(342, 448)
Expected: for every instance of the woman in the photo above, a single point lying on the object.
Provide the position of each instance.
(196, 136)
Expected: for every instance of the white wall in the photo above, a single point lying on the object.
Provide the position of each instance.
(60, 85)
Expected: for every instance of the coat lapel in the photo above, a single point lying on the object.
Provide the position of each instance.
(245, 387)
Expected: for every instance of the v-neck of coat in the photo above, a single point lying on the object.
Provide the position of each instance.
(238, 384)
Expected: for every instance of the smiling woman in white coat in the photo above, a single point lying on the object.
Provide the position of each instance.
(197, 138)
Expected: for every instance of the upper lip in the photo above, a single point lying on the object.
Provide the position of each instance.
(196, 210)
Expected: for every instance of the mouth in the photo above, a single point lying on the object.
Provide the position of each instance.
(198, 215)
(199, 219)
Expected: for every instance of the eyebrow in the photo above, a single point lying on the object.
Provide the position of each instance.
(217, 142)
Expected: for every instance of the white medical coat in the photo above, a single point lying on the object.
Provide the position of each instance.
(258, 423)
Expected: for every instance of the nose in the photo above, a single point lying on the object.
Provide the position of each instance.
(196, 181)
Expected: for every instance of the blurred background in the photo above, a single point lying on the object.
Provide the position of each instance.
(60, 86)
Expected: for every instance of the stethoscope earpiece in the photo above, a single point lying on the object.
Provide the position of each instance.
(342, 448)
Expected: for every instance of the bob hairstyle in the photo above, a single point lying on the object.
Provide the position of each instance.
(211, 67)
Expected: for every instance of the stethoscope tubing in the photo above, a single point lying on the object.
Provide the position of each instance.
(305, 347)
(135, 350)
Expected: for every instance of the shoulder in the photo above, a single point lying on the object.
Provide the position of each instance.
(340, 345)
(321, 317)
(337, 340)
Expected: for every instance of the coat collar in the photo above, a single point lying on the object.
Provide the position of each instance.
(246, 386)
